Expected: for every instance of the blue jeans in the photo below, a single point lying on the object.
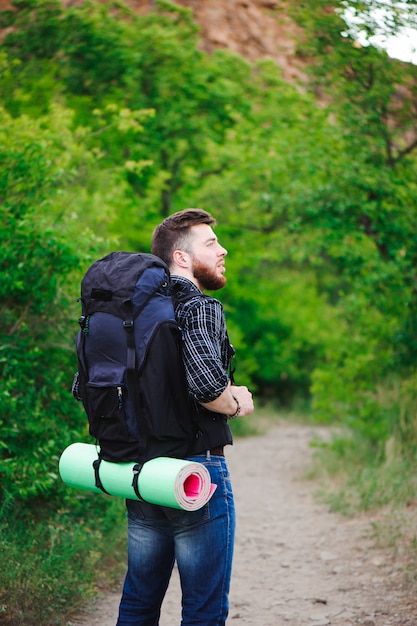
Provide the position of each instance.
(201, 542)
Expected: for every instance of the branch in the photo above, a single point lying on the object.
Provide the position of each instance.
(407, 150)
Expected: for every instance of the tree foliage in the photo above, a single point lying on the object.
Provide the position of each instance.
(368, 210)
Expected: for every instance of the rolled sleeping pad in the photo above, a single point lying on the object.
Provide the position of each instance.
(176, 483)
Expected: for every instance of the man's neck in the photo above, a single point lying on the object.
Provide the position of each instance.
(178, 271)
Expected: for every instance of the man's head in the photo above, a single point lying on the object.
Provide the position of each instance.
(188, 245)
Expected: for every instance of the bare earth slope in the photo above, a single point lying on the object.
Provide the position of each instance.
(295, 562)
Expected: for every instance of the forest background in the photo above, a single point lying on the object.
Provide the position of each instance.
(111, 120)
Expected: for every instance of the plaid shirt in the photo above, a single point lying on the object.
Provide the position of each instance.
(206, 347)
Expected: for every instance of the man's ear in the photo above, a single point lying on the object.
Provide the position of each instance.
(181, 259)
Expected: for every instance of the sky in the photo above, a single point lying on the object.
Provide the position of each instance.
(402, 46)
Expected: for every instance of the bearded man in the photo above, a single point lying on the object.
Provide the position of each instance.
(199, 542)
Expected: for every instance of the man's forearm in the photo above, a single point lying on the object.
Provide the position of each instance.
(233, 401)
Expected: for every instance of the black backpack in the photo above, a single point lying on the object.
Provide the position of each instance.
(131, 377)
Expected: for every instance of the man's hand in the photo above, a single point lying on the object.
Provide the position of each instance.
(244, 398)
(227, 404)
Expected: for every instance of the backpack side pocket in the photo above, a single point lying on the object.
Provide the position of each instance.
(106, 412)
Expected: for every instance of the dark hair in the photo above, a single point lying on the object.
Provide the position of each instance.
(174, 232)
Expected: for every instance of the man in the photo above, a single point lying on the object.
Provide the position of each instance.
(201, 542)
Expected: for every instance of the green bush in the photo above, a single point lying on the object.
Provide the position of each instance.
(53, 557)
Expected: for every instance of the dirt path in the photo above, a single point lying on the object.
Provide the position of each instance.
(295, 563)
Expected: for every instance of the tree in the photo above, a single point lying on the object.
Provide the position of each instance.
(367, 210)
(102, 57)
(45, 245)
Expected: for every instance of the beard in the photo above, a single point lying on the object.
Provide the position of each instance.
(207, 277)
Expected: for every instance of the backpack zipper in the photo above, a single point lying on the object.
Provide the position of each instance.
(119, 398)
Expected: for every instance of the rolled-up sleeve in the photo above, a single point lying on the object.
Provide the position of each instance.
(203, 329)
